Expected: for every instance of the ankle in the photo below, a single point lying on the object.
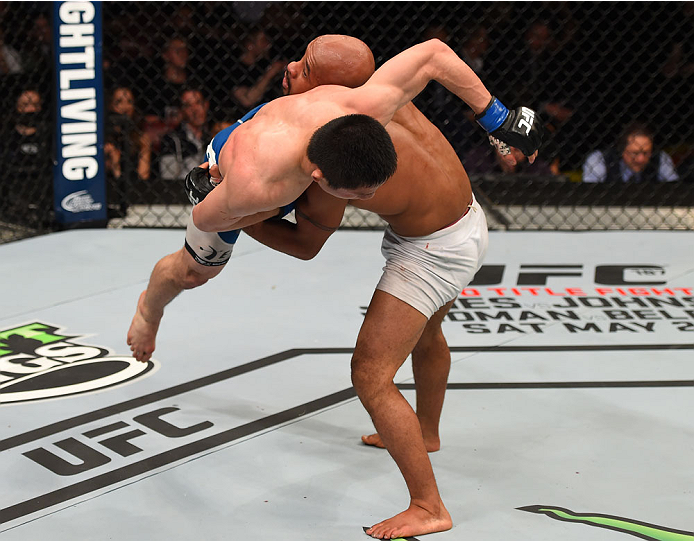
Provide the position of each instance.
(433, 506)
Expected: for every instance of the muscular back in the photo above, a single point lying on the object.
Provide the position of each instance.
(264, 159)
(430, 188)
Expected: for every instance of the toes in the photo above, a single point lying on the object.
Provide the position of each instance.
(376, 531)
(373, 440)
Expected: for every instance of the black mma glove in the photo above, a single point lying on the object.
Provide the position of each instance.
(521, 128)
(199, 184)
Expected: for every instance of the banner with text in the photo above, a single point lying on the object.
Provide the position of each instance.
(79, 177)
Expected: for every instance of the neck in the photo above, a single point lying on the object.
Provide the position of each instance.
(306, 166)
(197, 130)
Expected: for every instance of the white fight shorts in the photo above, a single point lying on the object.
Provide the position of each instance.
(427, 272)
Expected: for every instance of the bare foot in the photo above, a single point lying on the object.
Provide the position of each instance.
(142, 333)
(414, 521)
(432, 444)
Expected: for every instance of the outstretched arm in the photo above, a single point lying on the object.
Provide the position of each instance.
(405, 75)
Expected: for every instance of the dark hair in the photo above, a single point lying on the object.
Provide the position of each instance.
(353, 151)
(190, 88)
(631, 130)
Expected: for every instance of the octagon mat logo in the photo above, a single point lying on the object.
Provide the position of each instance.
(637, 528)
(38, 361)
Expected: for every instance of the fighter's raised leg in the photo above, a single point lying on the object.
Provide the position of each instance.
(171, 275)
(202, 258)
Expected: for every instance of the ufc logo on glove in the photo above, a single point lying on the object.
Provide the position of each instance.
(526, 119)
(515, 128)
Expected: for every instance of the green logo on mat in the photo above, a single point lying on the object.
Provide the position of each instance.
(636, 528)
(39, 361)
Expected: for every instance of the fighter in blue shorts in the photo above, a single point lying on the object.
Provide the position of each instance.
(214, 249)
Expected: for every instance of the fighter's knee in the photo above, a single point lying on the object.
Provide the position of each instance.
(430, 339)
(368, 378)
(359, 377)
(193, 278)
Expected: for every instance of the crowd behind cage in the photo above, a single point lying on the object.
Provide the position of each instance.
(613, 83)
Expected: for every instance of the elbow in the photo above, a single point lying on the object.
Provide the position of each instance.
(436, 58)
(436, 47)
(307, 253)
(307, 250)
(199, 222)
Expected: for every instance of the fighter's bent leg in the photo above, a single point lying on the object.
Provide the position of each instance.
(203, 257)
(390, 331)
(171, 275)
(431, 363)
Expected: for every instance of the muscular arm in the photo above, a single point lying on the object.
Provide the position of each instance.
(224, 211)
(405, 75)
(247, 196)
(318, 216)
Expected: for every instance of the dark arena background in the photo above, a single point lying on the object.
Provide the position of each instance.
(568, 397)
(590, 68)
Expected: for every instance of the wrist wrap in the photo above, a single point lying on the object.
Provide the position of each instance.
(493, 116)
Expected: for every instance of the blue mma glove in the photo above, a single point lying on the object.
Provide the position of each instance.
(521, 128)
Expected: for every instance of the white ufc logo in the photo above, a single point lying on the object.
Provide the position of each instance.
(526, 120)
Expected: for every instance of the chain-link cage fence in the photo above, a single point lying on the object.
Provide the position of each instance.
(26, 149)
(594, 70)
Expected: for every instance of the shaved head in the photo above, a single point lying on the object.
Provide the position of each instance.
(342, 60)
(330, 60)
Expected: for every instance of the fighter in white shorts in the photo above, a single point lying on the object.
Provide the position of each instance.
(435, 242)
(427, 272)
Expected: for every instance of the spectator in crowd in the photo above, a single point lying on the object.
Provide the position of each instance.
(25, 154)
(10, 60)
(161, 88)
(255, 77)
(127, 150)
(124, 125)
(632, 160)
(486, 160)
(184, 148)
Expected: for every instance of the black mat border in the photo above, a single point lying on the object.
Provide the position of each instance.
(135, 469)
